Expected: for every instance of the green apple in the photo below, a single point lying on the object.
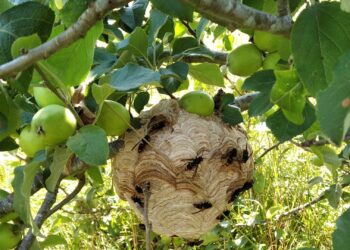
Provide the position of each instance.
(197, 102)
(44, 96)
(30, 142)
(9, 236)
(54, 124)
(267, 41)
(244, 60)
(23, 44)
(114, 118)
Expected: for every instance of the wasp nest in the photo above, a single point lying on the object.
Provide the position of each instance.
(192, 166)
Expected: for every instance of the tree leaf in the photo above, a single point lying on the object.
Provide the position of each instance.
(94, 173)
(60, 158)
(175, 8)
(321, 35)
(62, 66)
(22, 184)
(184, 44)
(52, 240)
(285, 130)
(341, 239)
(133, 76)
(133, 15)
(178, 70)
(156, 21)
(5, 5)
(207, 73)
(90, 145)
(263, 82)
(140, 101)
(327, 155)
(23, 20)
(334, 102)
(72, 10)
(288, 94)
(201, 26)
(333, 195)
(345, 5)
(136, 43)
(232, 115)
(8, 144)
(101, 92)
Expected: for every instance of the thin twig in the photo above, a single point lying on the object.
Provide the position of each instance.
(58, 94)
(147, 194)
(268, 150)
(69, 197)
(41, 216)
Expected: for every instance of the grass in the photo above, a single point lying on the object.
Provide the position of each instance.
(97, 219)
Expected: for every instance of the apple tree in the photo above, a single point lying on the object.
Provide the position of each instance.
(74, 74)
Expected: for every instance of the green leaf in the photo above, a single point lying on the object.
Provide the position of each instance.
(140, 101)
(52, 240)
(9, 115)
(94, 173)
(184, 44)
(232, 115)
(136, 43)
(23, 44)
(288, 94)
(178, 70)
(333, 195)
(320, 36)
(23, 20)
(90, 145)
(133, 76)
(60, 158)
(263, 82)
(207, 73)
(156, 21)
(327, 155)
(175, 8)
(259, 182)
(22, 184)
(201, 26)
(101, 92)
(285, 130)
(72, 10)
(5, 5)
(133, 15)
(341, 239)
(334, 102)
(8, 144)
(71, 65)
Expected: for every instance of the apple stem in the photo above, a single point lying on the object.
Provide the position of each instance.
(58, 94)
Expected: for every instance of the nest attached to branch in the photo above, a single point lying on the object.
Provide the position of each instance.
(192, 166)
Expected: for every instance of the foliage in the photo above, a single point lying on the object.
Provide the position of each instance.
(148, 50)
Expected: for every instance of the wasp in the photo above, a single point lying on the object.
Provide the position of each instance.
(137, 200)
(202, 206)
(193, 164)
(224, 215)
(142, 144)
(157, 126)
(248, 185)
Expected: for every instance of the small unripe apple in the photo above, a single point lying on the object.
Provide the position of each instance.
(30, 142)
(244, 60)
(197, 102)
(44, 96)
(9, 236)
(54, 124)
(114, 118)
(266, 41)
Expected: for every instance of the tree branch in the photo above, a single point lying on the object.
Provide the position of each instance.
(283, 8)
(233, 14)
(41, 216)
(94, 13)
(75, 166)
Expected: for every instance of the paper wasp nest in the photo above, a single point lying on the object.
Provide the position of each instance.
(193, 166)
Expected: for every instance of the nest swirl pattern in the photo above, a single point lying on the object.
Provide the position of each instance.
(194, 167)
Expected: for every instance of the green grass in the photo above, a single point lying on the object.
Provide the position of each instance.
(97, 219)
